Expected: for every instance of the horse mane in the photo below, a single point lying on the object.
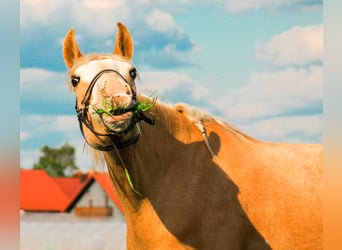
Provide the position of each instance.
(196, 116)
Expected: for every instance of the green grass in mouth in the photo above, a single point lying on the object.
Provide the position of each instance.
(113, 110)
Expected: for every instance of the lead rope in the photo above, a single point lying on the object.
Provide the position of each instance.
(202, 129)
(126, 171)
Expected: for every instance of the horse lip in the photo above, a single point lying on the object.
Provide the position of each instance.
(119, 112)
(118, 120)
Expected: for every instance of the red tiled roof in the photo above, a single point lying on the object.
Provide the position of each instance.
(106, 183)
(38, 192)
(73, 188)
(70, 186)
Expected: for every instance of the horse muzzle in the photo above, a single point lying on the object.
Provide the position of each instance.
(111, 99)
(108, 109)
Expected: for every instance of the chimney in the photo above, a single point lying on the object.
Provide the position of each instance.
(83, 177)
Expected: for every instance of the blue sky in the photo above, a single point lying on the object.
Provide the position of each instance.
(255, 64)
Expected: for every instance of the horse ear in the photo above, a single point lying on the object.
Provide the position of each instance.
(70, 49)
(123, 42)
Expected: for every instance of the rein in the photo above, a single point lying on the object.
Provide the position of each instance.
(116, 138)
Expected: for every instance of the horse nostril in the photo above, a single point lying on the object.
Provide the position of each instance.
(128, 91)
(119, 100)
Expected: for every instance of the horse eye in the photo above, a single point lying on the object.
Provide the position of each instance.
(75, 80)
(133, 73)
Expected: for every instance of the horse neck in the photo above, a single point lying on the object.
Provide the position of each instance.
(158, 149)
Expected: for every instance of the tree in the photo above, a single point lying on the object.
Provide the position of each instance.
(57, 161)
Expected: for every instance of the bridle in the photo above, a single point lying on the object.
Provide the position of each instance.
(116, 138)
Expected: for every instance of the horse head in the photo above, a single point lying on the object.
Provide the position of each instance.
(105, 91)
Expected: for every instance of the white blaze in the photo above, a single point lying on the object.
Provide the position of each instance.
(88, 71)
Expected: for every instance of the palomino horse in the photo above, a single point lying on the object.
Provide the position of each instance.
(185, 179)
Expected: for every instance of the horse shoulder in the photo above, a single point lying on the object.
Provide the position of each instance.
(284, 194)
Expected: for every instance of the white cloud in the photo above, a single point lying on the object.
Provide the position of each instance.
(33, 77)
(160, 21)
(43, 84)
(154, 30)
(96, 17)
(40, 11)
(24, 136)
(167, 81)
(273, 93)
(163, 81)
(297, 46)
(283, 104)
(29, 157)
(89, 15)
(238, 6)
(199, 92)
(103, 4)
(291, 129)
(49, 124)
(143, 2)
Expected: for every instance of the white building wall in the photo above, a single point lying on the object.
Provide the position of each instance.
(96, 196)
